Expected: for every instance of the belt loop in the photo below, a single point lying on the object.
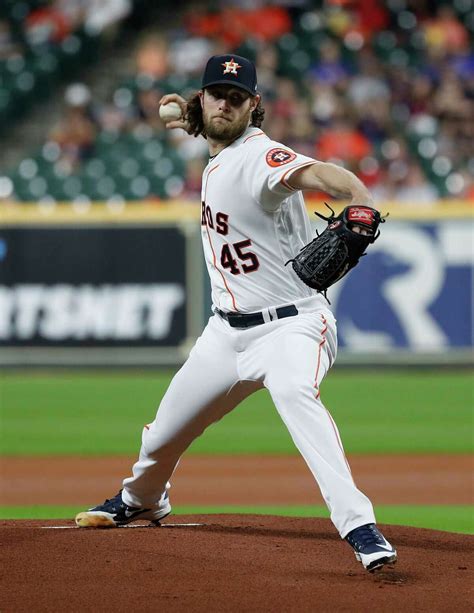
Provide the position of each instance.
(272, 313)
(267, 317)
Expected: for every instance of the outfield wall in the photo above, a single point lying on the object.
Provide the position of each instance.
(97, 285)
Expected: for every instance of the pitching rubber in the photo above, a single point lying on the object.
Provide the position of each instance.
(90, 520)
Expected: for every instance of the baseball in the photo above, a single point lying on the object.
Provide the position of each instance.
(170, 112)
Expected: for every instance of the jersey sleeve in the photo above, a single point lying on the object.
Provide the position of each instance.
(268, 168)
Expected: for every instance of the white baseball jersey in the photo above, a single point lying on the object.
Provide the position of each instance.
(253, 222)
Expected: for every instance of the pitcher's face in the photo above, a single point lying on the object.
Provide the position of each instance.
(226, 111)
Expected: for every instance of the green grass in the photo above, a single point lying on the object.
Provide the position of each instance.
(449, 518)
(103, 413)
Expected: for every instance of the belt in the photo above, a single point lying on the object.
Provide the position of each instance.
(248, 320)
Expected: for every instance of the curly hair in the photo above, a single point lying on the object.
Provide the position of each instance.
(196, 123)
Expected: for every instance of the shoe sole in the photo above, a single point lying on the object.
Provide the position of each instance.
(377, 564)
(91, 519)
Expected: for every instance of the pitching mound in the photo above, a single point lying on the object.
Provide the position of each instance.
(226, 563)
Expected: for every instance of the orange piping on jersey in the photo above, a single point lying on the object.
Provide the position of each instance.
(207, 178)
(323, 332)
(292, 169)
(214, 259)
(220, 271)
(339, 442)
(253, 136)
(336, 433)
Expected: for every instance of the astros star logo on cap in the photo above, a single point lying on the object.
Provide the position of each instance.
(231, 67)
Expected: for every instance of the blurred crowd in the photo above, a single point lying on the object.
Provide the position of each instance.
(49, 22)
(46, 42)
(384, 88)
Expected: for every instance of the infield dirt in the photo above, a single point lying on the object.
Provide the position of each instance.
(238, 480)
(229, 563)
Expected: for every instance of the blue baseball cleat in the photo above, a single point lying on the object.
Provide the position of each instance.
(114, 512)
(371, 547)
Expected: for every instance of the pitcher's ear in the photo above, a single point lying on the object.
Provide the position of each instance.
(255, 100)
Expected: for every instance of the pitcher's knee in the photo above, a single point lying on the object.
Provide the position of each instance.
(292, 390)
(156, 445)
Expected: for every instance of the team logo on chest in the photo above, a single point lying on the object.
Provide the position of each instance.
(231, 67)
(278, 157)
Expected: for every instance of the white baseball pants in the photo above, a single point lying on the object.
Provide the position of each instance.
(290, 357)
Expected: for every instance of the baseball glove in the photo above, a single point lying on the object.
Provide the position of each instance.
(333, 253)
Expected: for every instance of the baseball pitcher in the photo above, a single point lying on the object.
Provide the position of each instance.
(271, 325)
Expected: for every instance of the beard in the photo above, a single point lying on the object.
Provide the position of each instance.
(225, 131)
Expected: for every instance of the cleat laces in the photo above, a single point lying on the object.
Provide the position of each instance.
(366, 536)
(115, 503)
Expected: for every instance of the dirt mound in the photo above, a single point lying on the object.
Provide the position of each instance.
(226, 563)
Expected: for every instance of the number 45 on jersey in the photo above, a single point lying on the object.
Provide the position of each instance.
(234, 257)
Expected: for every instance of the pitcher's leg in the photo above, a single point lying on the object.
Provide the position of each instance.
(294, 375)
(204, 390)
(184, 413)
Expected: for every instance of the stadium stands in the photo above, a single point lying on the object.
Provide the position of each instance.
(391, 81)
(39, 47)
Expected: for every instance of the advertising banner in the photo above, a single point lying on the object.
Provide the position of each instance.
(139, 294)
(92, 286)
(412, 291)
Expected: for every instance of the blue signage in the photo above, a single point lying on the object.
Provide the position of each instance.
(412, 291)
